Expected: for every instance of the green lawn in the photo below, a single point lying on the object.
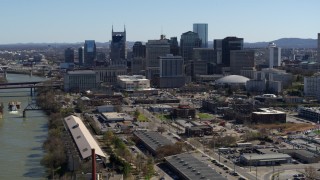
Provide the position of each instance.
(163, 117)
(205, 115)
(142, 118)
(317, 131)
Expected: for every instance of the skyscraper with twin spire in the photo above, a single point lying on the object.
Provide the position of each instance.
(118, 46)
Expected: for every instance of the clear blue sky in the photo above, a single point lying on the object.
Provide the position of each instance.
(24, 21)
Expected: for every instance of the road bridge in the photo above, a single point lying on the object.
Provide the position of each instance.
(32, 85)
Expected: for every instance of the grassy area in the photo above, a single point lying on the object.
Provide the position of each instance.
(142, 118)
(205, 115)
(316, 131)
(163, 117)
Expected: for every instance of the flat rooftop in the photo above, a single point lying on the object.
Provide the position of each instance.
(268, 111)
(192, 168)
(114, 116)
(270, 156)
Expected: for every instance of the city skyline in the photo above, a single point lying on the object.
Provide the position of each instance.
(39, 21)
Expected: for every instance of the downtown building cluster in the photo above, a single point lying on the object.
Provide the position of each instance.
(169, 63)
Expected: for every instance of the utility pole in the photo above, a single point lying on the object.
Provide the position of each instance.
(250, 163)
(256, 172)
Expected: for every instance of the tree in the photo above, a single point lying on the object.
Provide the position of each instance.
(310, 173)
(168, 150)
(225, 141)
(161, 129)
(108, 137)
(149, 168)
(137, 113)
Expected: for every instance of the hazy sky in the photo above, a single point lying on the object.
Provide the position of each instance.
(24, 21)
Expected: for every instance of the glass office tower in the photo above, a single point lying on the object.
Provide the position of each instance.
(202, 30)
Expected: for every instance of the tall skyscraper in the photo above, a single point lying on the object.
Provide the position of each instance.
(171, 66)
(138, 64)
(241, 60)
(202, 30)
(139, 50)
(188, 41)
(174, 46)
(274, 55)
(171, 71)
(318, 54)
(154, 49)
(81, 56)
(69, 55)
(118, 46)
(89, 52)
(217, 44)
(228, 44)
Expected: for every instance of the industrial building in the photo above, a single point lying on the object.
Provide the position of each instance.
(302, 155)
(116, 117)
(311, 113)
(82, 137)
(188, 167)
(152, 140)
(268, 116)
(265, 159)
(198, 131)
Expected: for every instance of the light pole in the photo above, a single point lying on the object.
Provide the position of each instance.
(256, 172)
(219, 154)
(250, 163)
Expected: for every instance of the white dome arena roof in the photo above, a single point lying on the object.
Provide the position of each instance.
(232, 79)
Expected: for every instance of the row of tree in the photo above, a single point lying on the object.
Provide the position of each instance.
(54, 146)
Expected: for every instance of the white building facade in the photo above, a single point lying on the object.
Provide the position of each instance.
(132, 83)
(81, 80)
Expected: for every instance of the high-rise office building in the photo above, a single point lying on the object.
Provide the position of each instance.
(89, 52)
(154, 49)
(69, 55)
(138, 63)
(139, 50)
(174, 46)
(274, 55)
(118, 46)
(202, 30)
(171, 71)
(318, 54)
(217, 44)
(188, 41)
(81, 56)
(241, 60)
(171, 66)
(228, 44)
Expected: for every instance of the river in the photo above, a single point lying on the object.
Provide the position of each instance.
(21, 138)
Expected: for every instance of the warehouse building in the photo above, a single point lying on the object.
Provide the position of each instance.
(188, 167)
(152, 140)
(265, 159)
(303, 155)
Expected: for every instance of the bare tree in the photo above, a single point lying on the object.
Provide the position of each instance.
(310, 173)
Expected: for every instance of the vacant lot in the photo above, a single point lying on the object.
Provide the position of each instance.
(287, 127)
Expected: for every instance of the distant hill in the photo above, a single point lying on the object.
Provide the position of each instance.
(283, 43)
(286, 43)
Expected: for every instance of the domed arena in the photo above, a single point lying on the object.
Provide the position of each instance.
(232, 80)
